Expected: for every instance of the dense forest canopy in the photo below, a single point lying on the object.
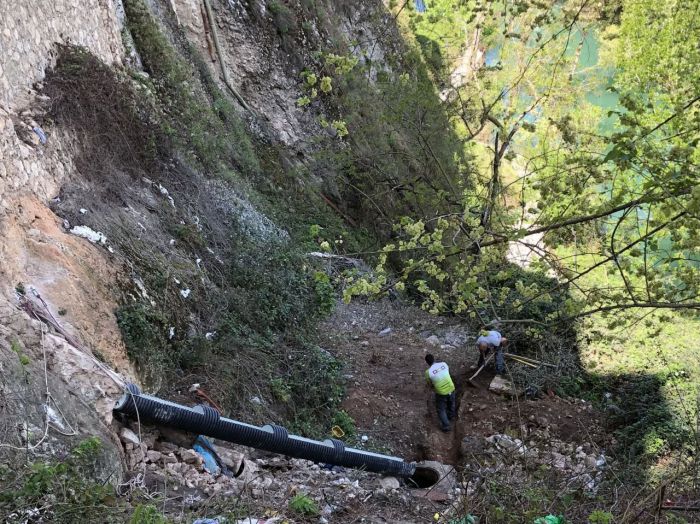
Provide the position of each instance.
(582, 123)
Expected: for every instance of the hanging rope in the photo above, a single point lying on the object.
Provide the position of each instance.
(48, 400)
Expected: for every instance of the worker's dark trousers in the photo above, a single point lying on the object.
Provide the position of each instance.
(500, 361)
(446, 409)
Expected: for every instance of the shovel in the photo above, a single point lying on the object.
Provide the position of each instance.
(469, 380)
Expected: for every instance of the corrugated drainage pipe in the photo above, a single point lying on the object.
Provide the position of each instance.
(204, 420)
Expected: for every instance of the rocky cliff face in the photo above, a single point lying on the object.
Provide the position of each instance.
(52, 392)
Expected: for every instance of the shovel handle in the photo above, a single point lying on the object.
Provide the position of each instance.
(490, 357)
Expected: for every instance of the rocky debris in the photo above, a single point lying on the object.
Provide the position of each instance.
(275, 480)
(153, 456)
(189, 456)
(233, 460)
(502, 386)
(433, 340)
(472, 445)
(506, 443)
(576, 466)
(129, 437)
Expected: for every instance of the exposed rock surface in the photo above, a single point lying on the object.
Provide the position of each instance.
(81, 395)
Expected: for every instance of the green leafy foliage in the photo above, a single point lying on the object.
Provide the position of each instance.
(304, 505)
(147, 514)
(60, 492)
(209, 128)
(284, 19)
(345, 422)
(601, 517)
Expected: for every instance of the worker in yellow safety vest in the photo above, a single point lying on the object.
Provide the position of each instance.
(438, 376)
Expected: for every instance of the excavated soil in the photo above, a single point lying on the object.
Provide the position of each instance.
(391, 404)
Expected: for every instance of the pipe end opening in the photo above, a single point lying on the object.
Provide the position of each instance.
(424, 477)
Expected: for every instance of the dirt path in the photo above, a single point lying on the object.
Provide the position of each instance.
(393, 407)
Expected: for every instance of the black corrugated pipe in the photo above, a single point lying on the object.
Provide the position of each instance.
(204, 420)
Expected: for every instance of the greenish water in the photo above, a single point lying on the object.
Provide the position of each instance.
(590, 72)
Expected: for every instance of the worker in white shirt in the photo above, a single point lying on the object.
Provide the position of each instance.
(492, 341)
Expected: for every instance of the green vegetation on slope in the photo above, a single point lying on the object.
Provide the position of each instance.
(219, 305)
(216, 292)
(596, 162)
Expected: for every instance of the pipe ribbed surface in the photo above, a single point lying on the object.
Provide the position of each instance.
(204, 420)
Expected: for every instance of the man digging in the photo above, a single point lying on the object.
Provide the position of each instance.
(492, 341)
(438, 376)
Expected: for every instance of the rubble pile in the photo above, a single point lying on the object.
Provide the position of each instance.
(167, 463)
(575, 466)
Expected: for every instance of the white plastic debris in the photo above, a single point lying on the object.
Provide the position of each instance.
(172, 241)
(364, 438)
(185, 292)
(83, 210)
(53, 417)
(171, 333)
(210, 335)
(90, 234)
(165, 193)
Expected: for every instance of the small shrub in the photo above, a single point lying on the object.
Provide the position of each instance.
(24, 360)
(302, 504)
(284, 19)
(345, 422)
(143, 330)
(281, 390)
(600, 517)
(147, 514)
(325, 293)
(61, 492)
(190, 235)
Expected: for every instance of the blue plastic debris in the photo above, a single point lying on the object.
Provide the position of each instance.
(40, 133)
(420, 6)
(207, 521)
(204, 448)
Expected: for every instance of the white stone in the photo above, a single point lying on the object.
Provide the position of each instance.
(433, 340)
(129, 437)
(502, 386)
(389, 483)
(153, 455)
(558, 460)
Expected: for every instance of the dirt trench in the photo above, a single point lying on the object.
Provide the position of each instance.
(394, 408)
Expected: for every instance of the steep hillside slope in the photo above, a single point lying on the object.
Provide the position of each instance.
(158, 197)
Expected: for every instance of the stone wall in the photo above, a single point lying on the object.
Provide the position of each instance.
(29, 32)
(29, 29)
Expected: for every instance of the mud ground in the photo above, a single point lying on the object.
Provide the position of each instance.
(391, 404)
